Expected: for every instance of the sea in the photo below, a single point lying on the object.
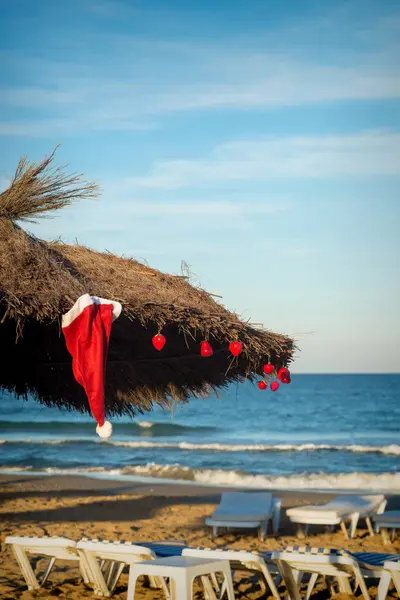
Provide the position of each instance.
(321, 432)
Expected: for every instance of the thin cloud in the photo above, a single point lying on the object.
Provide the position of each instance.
(122, 82)
(168, 219)
(205, 209)
(366, 154)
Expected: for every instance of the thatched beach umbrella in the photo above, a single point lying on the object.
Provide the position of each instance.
(40, 281)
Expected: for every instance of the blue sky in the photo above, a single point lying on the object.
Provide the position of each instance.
(258, 141)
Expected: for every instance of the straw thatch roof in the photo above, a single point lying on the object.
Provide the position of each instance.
(40, 281)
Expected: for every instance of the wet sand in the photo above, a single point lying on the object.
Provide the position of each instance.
(76, 507)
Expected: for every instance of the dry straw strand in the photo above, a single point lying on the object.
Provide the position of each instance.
(37, 189)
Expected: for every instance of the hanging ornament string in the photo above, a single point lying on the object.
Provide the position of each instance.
(235, 348)
(283, 374)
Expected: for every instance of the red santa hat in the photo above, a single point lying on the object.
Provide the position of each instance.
(87, 328)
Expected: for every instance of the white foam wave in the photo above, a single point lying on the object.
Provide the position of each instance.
(236, 478)
(15, 469)
(349, 481)
(48, 442)
(80, 471)
(145, 424)
(217, 447)
(392, 449)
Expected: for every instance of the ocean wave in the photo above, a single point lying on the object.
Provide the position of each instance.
(234, 478)
(41, 442)
(392, 449)
(243, 479)
(140, 428)
(218, 447)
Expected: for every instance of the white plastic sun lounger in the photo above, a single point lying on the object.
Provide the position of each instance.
(107, 559)
(391, 572)
(246, 510)
(342, 509)
(387, 521)
(100, 562)
(56, 548)
(250, 562)
(333, 565)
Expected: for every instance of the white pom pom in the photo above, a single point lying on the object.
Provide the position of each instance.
(105, 430)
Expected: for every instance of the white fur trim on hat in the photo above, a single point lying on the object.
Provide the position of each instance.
(85, 301)
(105, 430)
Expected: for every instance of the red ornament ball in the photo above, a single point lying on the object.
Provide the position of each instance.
(159, 341)
(262, 385)
(206, 349)
(269, 369)
(235, 348)
(284, 375)
(274, 386)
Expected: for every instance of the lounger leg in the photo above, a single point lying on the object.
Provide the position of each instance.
(117, 575)
(396, 581)
(329, 582)
(344, 585)
(98, 578)
(369, 525)
(276, 516)
(301, 530)
(26, 568)
(154, 582)
(209, 593)
(229, 585)
(221, 591)
(166, 589)
(361, 582)
(48, 570)
(215, 581)
(344, 529)
(84, 568)
(263, 530)
(385, 536)
(383, 587)
(270, 583)
(109, 574)
(289, 580)
(298, 576)
(311, 584)
(131, 585)
(353, 524)
(158, 583)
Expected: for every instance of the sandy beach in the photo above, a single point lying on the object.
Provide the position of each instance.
(80, 506)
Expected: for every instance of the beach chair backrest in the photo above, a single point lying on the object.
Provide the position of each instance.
(252, 560)
(54, 547)
(246, 500)
(327, 561)
(114, 550)
(360, 503)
